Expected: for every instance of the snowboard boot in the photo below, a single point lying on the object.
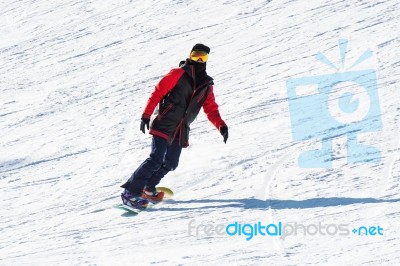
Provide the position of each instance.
(133, 201)
(152, 195)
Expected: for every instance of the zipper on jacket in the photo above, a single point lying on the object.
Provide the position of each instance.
(194, 78)
(179, 127)
(194, 91)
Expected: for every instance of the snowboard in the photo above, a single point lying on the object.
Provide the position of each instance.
(168, 194)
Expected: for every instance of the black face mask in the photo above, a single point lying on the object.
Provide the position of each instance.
(200, 69)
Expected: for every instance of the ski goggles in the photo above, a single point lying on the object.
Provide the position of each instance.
(199, 56)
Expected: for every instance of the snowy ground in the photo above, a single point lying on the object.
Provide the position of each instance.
(75, 76)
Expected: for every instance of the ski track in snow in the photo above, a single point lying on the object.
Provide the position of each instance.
(75, 77)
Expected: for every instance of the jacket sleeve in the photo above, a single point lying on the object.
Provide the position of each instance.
(210, 107)
(164, 86)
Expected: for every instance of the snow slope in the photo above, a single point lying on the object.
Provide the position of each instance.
(75, 76)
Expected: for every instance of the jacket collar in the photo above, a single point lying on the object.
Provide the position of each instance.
(190, 70)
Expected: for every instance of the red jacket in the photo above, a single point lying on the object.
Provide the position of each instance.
(179, 96)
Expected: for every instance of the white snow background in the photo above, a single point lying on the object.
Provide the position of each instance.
(75, 77)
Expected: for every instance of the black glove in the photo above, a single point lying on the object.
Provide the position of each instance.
(224, 132)
(145, 121)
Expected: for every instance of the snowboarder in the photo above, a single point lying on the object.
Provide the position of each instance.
(178, 97)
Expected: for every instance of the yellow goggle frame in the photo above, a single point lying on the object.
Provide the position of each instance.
(199, 56)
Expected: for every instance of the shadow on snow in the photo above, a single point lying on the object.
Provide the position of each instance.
(275, 203)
